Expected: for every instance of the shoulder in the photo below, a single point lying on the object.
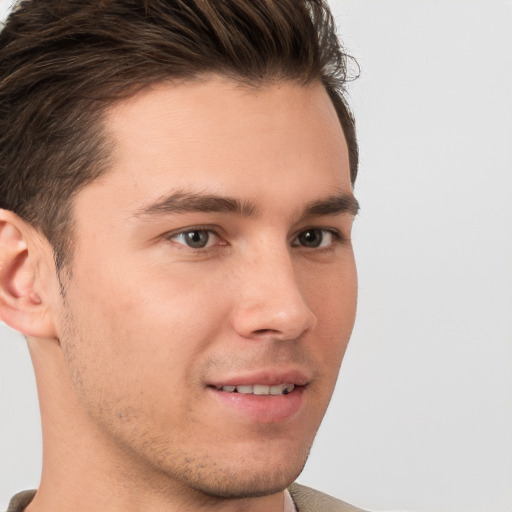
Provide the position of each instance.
(310, 500)
(20, 501)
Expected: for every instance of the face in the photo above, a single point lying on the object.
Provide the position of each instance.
(213, 285)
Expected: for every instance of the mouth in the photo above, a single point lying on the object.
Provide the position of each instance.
(259, 389)
(263, 397)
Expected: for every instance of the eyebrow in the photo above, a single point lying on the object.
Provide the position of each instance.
(186, 202)
(333, 205)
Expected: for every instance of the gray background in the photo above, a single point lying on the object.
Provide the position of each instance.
(422, 416)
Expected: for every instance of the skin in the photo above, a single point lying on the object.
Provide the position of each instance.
(127, 359)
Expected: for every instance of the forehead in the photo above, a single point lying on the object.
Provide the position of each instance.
(220, 137)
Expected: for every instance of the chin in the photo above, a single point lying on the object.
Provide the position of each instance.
(246, 478)
(240, 486)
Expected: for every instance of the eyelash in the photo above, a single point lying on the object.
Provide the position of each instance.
(203, 229)
(337, 238)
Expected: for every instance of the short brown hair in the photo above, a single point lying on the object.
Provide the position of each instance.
(63, 62)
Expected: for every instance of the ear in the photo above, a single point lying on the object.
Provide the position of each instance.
(23, 304)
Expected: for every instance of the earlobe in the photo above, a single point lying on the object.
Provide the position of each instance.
(21, 306)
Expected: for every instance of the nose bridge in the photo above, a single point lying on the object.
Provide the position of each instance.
(271, 302)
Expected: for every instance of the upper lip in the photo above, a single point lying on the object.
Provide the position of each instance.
(266, 377)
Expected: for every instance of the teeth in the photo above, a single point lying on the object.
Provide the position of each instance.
(278, 390)
(261, 389)
(245, 390)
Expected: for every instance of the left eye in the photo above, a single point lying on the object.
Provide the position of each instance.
(196, 238)
(314, 238)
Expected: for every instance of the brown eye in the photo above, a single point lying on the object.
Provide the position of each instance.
(314, 238)
(311, 238)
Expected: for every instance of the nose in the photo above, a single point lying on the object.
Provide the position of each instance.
(270, 301)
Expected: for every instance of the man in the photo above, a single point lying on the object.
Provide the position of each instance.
(176, 206)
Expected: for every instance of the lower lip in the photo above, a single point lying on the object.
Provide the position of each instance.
(263, 408)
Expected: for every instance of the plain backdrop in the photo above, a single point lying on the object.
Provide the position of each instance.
(422, 416)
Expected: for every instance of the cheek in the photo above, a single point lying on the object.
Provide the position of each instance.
(332, 296)
(128, 359)
(331, 290)
(146, 337)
